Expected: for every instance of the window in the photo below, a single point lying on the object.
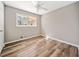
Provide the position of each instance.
(23, 20)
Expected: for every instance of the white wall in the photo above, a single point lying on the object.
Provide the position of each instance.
(12, 32)
(62, 24)
(1, 25)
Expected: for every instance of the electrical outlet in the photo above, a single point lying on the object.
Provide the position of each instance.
(21, 37)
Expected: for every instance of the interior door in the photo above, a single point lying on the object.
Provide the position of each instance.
(1, 26)
(1, 38)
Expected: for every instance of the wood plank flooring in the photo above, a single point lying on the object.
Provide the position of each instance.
(39, 47)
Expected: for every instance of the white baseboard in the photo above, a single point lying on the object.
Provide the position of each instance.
(46, 38)
(42, 35)
(62, 41)
(21, 39)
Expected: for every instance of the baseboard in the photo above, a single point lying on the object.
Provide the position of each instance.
(62, 41)
(21, 39)
(46, 38)
(42, 35)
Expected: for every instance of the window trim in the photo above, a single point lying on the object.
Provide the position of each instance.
(19, 14)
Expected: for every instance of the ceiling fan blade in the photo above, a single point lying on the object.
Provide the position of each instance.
(36, 2)
(37, 9)
(43, 8)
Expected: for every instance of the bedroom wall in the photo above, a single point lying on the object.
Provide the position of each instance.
(62, 24)
(12, 32)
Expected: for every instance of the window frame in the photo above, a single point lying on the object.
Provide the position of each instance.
(19, 14)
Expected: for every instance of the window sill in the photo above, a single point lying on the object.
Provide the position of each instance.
(26, 26)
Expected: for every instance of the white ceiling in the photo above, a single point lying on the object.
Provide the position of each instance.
(28, 5)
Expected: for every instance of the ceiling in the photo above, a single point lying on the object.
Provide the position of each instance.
(28, 5)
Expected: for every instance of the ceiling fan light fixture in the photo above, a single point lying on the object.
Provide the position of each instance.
(38, 5)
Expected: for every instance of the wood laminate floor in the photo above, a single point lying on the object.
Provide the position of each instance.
(39, 47)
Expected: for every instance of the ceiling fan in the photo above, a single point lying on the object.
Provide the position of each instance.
(39, 5)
